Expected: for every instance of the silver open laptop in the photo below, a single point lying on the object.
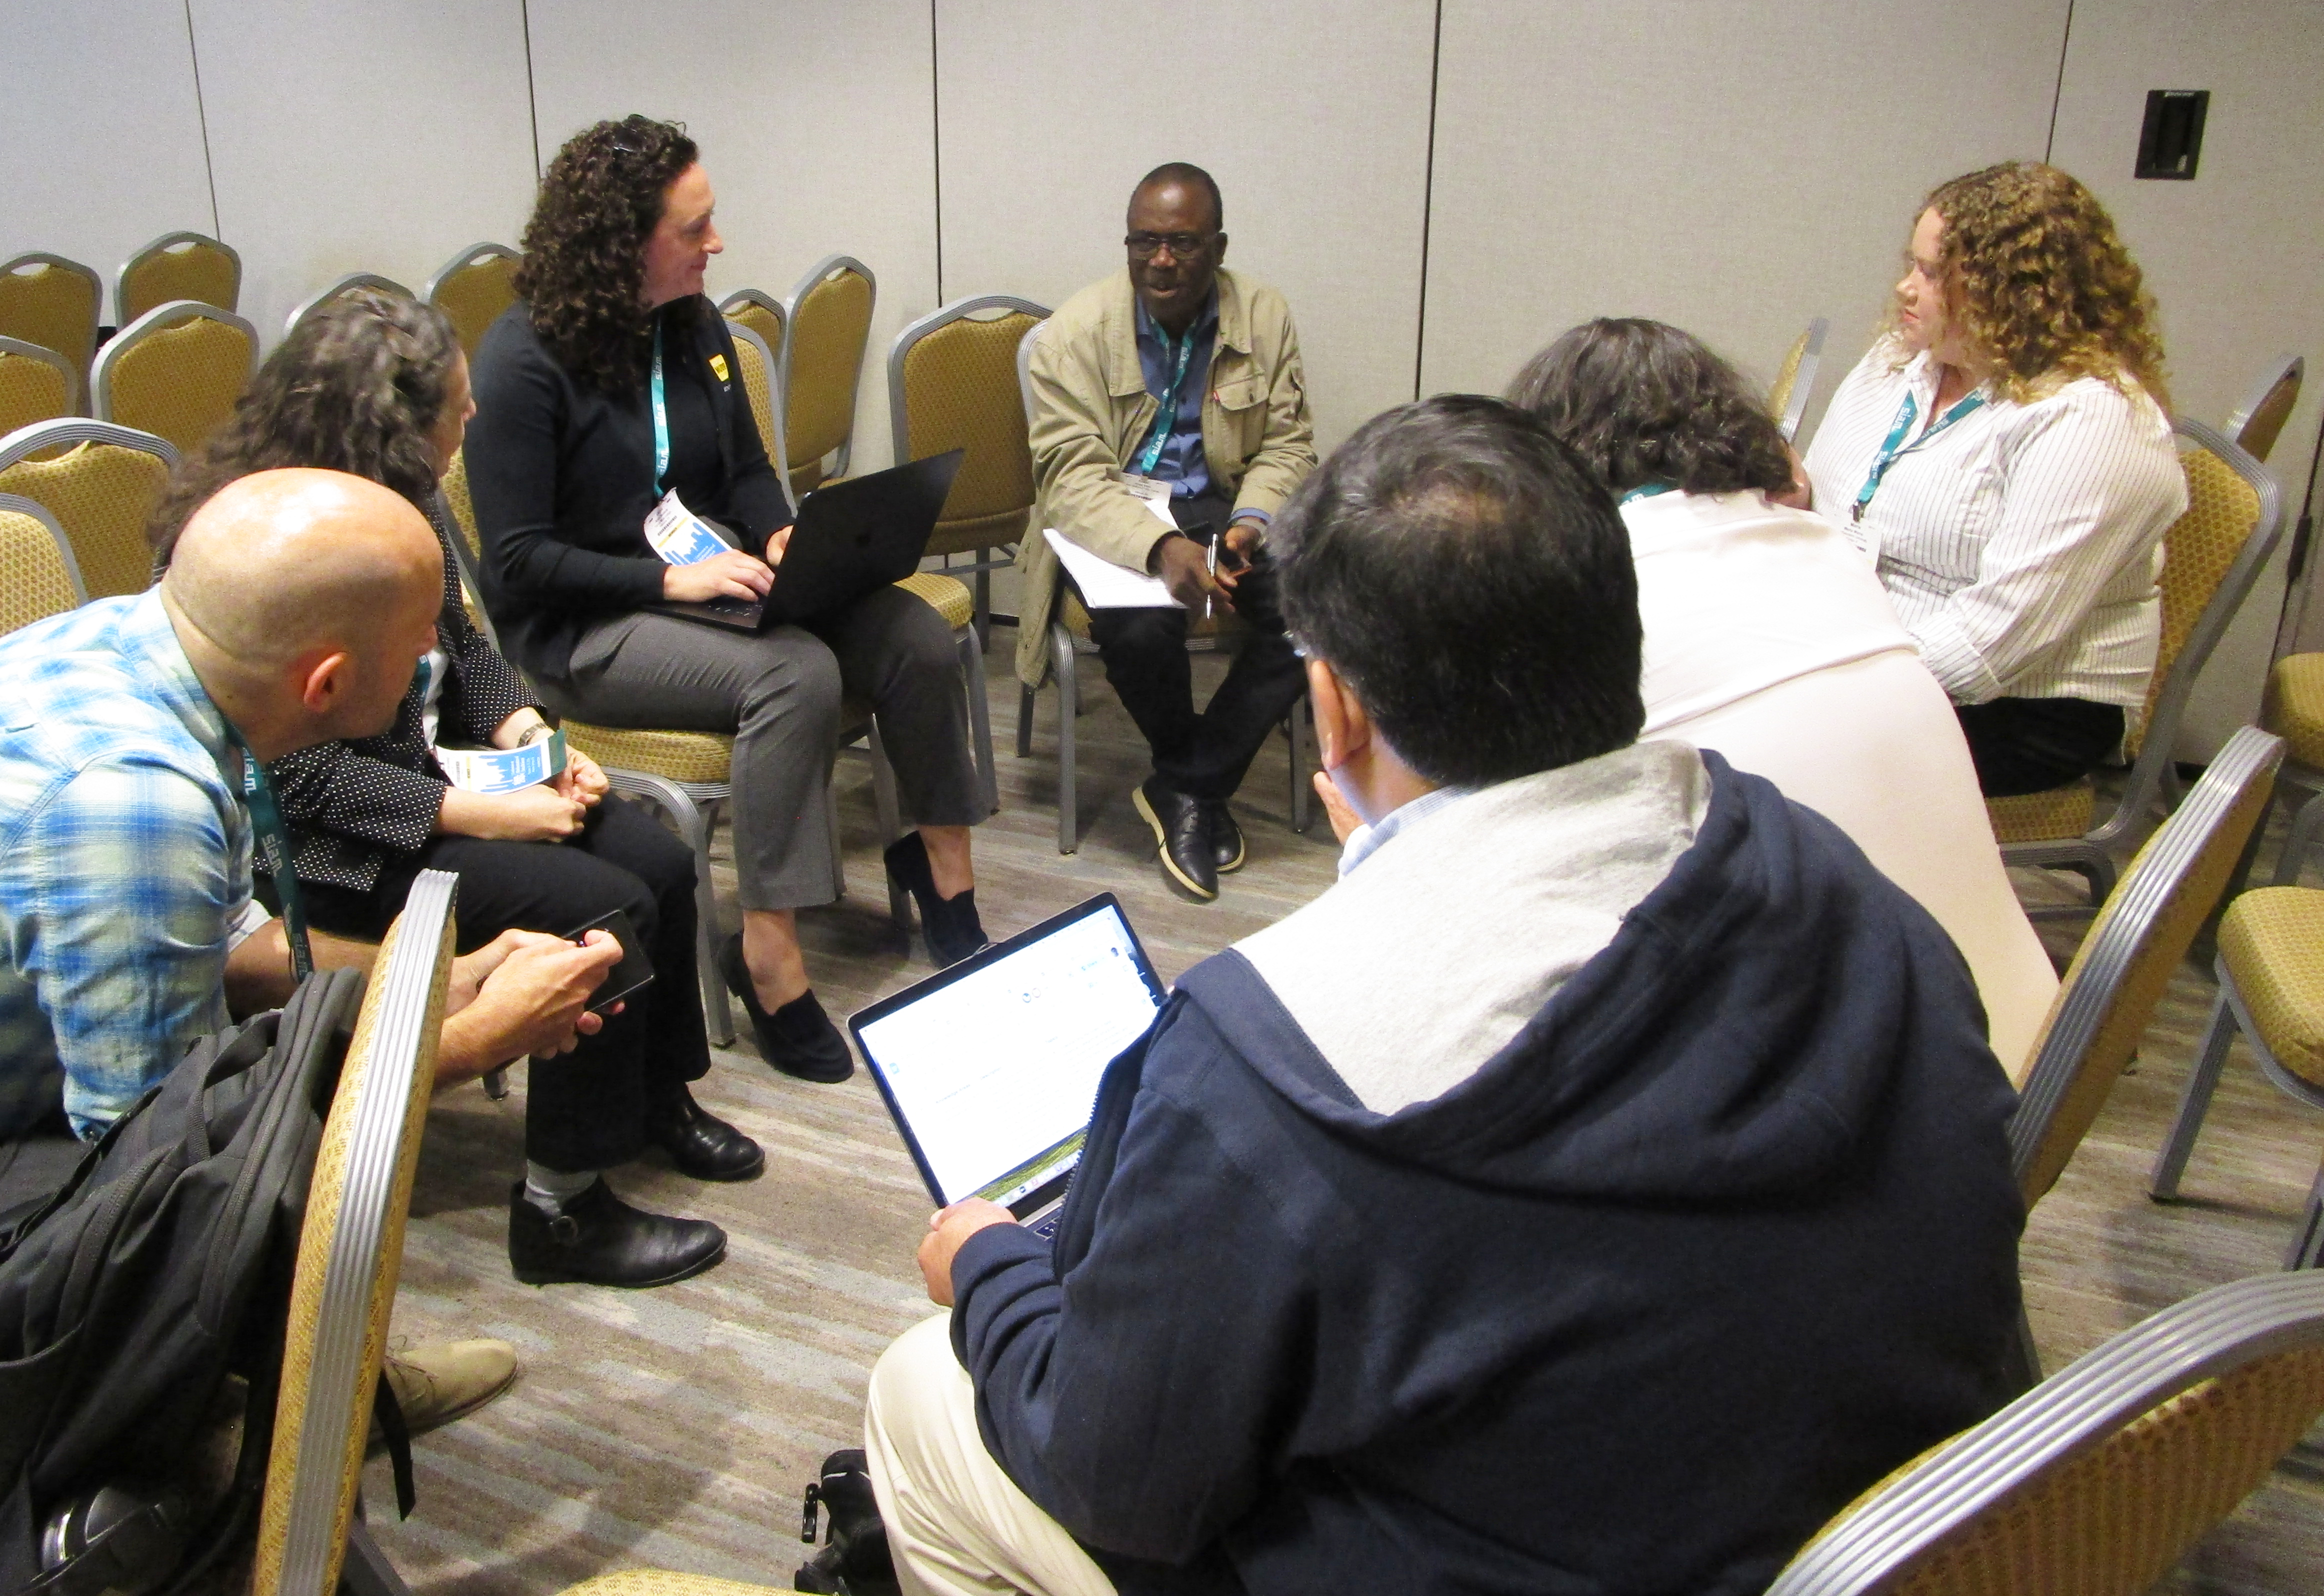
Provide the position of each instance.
(991, 1068)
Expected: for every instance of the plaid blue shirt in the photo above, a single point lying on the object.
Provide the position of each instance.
(125, 862)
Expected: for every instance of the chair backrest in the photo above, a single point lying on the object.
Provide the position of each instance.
(764, 315)
(39, 577)
(2141, 933)
(1025, 369)
(347, 284)
(953, 384)
(101, 490)
(351, 1251)
(1788, 395)
(2098, 1479)
(177, 266)
(757, 360)
(472, 288)
(54, 302)
(36, 384)
(829, 320)
(176, 370)
(2257, 422)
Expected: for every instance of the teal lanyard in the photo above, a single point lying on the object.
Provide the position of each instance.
(266, 820)
(661, 415)
(1905, 416)
(1646, 491)
(1168, 415)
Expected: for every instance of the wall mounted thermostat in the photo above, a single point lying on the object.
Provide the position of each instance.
(2171, 139)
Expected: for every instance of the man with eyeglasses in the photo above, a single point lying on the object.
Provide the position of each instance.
(1173, 386)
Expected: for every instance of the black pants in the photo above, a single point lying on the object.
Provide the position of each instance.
(586, 1109)
(2024, 745)
(1203, 755)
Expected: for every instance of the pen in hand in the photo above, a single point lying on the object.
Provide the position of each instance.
(1212, 562)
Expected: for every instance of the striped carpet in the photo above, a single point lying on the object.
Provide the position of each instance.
(675, 1428)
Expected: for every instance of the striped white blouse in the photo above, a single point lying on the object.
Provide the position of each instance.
(2020, 544)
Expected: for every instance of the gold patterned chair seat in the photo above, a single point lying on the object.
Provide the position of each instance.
(2295, 709)
(946, 596)
(698, 758)
(2272, 941)
(2033, 816)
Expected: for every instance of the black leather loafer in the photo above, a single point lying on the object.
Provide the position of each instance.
(1226, 836)
(798, 1038)
(950, 924)
(1182, 831)
(599, 1240)
(701, 1144)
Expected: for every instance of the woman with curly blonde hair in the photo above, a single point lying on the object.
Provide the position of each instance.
(2003, 454)
(610, 382)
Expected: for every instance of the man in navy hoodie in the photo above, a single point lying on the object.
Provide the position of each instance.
(1591, 1194)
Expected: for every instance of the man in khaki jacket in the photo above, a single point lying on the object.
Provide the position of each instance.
(1176, 381)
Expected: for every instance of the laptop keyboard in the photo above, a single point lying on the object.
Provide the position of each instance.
(730, 606)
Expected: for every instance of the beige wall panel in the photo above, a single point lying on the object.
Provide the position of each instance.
(1734, 168)
(1313, 118)
(103, 131)
(815, 126)
(2232, 256)
(348, 137)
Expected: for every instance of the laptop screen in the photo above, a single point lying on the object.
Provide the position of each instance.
(992, 1069)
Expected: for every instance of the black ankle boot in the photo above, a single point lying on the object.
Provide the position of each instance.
(798, 1038)
(855, 1561)
(953, 930)
(599, 1240)
(699, 1142)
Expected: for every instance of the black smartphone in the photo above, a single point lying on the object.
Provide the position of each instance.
(635, 970)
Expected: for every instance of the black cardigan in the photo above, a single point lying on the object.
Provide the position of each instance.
(562, 478)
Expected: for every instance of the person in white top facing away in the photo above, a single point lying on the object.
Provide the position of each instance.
(2004, 453)
(1768, 639)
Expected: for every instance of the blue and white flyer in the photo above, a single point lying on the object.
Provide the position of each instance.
(504, 770)
(680, 536)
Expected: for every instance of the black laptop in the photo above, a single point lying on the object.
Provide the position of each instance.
(852, 538)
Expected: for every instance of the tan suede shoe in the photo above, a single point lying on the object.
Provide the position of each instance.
(439, 1381)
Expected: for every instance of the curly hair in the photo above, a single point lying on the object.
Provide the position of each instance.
(356, 387)
(1642, 402)
(584, 268)
(2038, 281)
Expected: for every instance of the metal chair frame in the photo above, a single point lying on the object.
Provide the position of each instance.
(2152, 775)
(164, 245)
(161, 318)
(468, 257)
(1803, 376)
(16, 503)
(352, 280)
(815, 273)
(80, 358)
(899, 416)
(49, 357)
(2213, 1333)
(2285, 369)
(765, 301)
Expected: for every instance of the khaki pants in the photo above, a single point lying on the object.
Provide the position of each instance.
(957, 1524)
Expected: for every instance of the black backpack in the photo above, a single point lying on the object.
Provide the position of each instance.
(162, 1267)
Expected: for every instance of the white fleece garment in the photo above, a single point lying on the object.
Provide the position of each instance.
(1426, 959)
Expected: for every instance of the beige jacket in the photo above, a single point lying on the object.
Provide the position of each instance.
(1091, 410)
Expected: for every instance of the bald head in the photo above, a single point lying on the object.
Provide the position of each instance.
(280, 563)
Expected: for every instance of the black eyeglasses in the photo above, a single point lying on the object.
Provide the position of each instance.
(1147, 246)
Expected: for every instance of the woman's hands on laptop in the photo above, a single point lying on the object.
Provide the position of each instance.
(947, 1229)
(731, 575)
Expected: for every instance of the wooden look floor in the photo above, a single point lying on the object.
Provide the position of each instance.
(675, 1428)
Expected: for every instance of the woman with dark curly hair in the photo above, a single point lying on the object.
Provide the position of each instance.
(611, 382)
(375, 385)
(1768, 638)
(2003, 455)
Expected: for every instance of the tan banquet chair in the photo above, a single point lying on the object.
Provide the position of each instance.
(36, 384)
(344, 285)
(176, 370)
(829, 320)
(101, 482)
(310, 1524)
(56, 303)
(39, 577)
(472, 288)
(952, 385)
(2097, 1482)
(1794, 384)
(2259, 420)
(764, 315)
(2212, 554)
(177, 266)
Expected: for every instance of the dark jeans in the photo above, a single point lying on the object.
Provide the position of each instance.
(586, 1109)
(2024, 745)
(1203, 755)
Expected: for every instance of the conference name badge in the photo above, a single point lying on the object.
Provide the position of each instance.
(718, 364)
